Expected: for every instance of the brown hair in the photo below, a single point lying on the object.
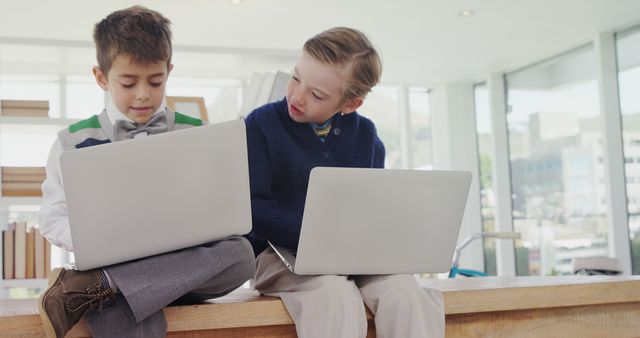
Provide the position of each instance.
(138, 32)
(348, 47)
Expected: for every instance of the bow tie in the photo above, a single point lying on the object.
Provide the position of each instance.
(126, 129)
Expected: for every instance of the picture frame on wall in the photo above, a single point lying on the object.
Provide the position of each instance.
(189, 105)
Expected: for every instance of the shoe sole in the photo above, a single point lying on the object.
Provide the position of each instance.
(49, 331)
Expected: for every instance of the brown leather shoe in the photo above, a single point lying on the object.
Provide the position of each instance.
(70, 294)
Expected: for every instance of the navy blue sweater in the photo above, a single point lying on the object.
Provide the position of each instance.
(282, 153)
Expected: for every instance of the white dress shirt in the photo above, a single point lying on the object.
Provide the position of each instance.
(53, 217)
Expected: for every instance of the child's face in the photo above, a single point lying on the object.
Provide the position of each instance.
(136, 89)
(315, 91)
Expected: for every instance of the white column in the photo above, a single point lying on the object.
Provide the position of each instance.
(3, 218)
(613, 159)
(406, 160)
(455, 147)
(505, 251)
(1, 74)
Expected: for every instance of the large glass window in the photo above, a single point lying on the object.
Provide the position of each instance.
(381, 106)
(628, 50)
(485, 158)
(557, 174)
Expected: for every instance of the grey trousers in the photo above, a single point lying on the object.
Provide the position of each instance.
(185, 276)
(333, 306)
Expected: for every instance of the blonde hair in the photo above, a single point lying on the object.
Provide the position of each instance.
(348, 47)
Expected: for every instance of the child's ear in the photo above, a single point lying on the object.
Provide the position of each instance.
(351, 105)
(101, 78)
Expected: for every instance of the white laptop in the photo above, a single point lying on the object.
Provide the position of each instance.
(379, 221)
(152, 195)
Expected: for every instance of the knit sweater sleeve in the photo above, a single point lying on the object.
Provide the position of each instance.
(270, 221)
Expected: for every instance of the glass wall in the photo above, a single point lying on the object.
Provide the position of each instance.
(382, 107)
(485, 159)
(557, 174)
(628, 51)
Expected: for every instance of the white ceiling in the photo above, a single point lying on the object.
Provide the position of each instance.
(422, 41)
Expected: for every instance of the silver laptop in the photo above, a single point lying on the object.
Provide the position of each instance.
(147, 196)
(379, 221)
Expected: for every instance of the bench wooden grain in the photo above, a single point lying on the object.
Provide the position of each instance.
(572, 306)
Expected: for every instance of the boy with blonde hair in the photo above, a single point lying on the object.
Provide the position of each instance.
(126, 300)
(316, 124)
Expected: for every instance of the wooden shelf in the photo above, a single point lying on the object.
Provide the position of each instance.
(21, 193)
(21, 200)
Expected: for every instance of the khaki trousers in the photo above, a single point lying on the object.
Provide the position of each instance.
(333, 306)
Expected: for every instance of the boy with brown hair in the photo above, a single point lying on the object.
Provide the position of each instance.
(124, 300)
(316, 124)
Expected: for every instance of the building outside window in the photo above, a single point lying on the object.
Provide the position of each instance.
(628, 52)
(555, 150)
(485, 159)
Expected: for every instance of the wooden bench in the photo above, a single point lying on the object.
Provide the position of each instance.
(573, 306)
(241, 314)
